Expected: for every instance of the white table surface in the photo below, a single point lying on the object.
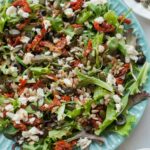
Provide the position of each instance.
(140, 137)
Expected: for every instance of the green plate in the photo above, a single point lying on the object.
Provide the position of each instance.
(112, 140)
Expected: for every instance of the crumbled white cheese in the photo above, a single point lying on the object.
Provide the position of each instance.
(118, 36)
(118, 107)
(69, 12)
(1, 115)
(131, 53)
(99, 20)
(111, 79)
(67, 82)
(38, 114)
(95, 2)
(25, 39)
(35, 1)
(23, 100)
(55, 40)
(37, 30)
(21, 114)
(9, 107)
(69, 58)
(11, 11)
(116, 98)
(10, 114)
(60, 62)
(22, 13)
(84, 143)
(35, 130)
(55, 55)
(68, 38)
(46, 24)
(40, 92)
(34, 138)
(73, 0)
(47, 53)
(28, 58)
(14, 32)
(31, 120)
(33, 99)
(13, 71)
(120, 88)
(101, 48)
(41, 102)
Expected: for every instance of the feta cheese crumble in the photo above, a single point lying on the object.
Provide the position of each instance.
(67, 82)
(69, 12)
(84, 143)
(22, 13)
(99, 20)
(132, 54)
(25, 39)
(9, 107)
(11, 11)
(28, 58)
(46, 24)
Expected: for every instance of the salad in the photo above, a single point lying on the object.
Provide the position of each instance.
(69, 72)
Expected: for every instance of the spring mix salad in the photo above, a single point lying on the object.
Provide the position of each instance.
(69, 71)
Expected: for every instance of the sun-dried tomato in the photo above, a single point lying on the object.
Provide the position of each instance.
(124, 20)
(36, 40)
(77, 4)
(73, 143)
(23, 82)
(88, 49)
(22, 3)
(52, 77)
(22, 25)
(124, 70)
(119, 81)
(77, 25)
(21, 126)
(61, 43)
(38, 84)
(104, 27)
(16, 41)
(76, 63)
(20, 91)
(53, 104)
(66, 98)
(9, 95)
(62, 145)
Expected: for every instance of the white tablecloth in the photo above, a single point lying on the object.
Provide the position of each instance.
(140, 137)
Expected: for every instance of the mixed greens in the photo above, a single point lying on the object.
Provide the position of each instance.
(69, 72)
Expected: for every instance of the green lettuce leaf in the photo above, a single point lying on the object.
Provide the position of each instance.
(74, 113)
(57, 23)
(59, 134)
(141, 79)
(3, 124)
(111, 115)
(10, 131)
(98, 10)
(39, 70)
(111, 17)
(2, 99)
(99, 93)
(98, 39)
(125, 129)
(86, 80)
(84, 16)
